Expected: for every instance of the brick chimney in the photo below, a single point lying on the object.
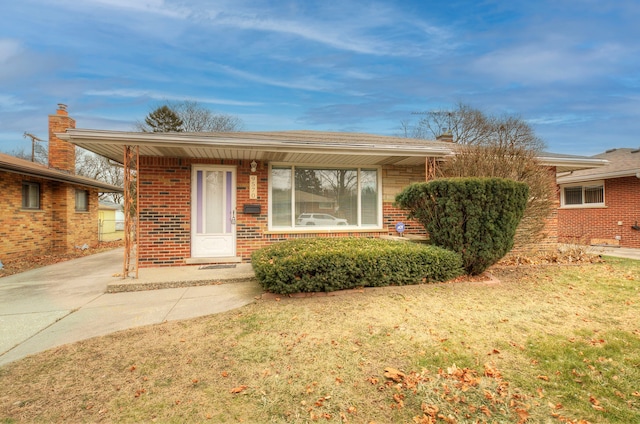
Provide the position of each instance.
(445, 136)
(62, 155)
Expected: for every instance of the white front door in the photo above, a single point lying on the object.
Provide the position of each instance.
(213, 212)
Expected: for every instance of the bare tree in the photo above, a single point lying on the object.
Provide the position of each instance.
(90, 165)
(466, 124)
(40, 154)
(197, 118)
(495, 146)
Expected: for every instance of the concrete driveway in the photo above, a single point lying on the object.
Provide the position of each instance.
(66, 302)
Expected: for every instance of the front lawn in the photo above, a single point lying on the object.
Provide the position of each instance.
(555, 344)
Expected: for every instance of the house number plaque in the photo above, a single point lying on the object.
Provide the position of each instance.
(253, 187)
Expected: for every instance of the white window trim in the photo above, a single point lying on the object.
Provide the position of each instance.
(349, 228)
(584, 185)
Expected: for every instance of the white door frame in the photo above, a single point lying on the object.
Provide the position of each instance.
(216, 244)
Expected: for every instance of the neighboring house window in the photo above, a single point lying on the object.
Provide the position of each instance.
(82, 200)
(591, 194)
(303, 197)
(30, 195)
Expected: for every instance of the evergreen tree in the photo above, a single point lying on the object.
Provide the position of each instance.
(163, 119)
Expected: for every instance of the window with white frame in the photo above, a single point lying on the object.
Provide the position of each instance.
(583, 195)
(82, 200)
(305, 197)
(30, 195)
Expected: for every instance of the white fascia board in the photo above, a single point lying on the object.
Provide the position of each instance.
(178, 140)
(603, 176)
(571, 162)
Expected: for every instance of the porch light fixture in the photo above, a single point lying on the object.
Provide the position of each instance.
(254, 166)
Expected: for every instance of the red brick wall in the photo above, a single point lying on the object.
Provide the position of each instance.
(595, 225)
(81, 226)
(38, 232)
(394, 180)
(62, 155)
(165, 210)
(23, 232)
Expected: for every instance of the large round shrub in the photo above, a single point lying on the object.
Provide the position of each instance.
(329, 264)
(476, 217)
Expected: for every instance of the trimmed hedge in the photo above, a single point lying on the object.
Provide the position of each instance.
(329, 264)
(476, 217)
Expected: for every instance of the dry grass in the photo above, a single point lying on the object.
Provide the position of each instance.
(458, 352)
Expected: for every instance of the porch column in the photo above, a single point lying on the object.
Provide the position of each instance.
(131, 222)
(429, 168)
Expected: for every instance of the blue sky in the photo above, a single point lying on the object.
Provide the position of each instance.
(569, 67)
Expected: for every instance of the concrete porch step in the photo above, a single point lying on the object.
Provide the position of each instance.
(182, 276)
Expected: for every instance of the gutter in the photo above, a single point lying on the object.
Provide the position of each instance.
(603, 176)
(52, 175)
(574, 162)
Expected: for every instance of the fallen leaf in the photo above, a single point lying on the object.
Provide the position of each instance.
(399, 400)
(394, 374)
(485, 410)
(239, 389)
(523, 414)
(431, 410)
(543, 377)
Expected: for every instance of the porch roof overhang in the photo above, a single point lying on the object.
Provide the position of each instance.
(307, 147)
(302, 147)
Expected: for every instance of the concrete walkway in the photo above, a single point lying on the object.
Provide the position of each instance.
(620, 252)
(67, 302)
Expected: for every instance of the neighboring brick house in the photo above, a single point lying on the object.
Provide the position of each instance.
(602, 206)
(48, 209)
(217, 197)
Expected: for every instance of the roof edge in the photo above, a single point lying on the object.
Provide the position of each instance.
(634, 172)
(23, 167)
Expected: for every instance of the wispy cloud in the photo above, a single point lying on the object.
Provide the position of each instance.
(9, 48)
(569, 68)
(156, 7)
(154, 95)
(546, 62)
(310, 83)
(9, 103)
(370, 29)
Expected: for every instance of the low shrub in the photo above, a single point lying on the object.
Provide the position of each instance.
(329, 264)
(476, 217)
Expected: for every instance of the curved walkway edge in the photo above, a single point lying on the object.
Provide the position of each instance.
(68, 302)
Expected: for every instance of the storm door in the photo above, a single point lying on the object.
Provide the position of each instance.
(213, 212)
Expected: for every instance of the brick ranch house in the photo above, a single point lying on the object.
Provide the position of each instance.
(602, 206)
(217, 197)
(48, 209)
